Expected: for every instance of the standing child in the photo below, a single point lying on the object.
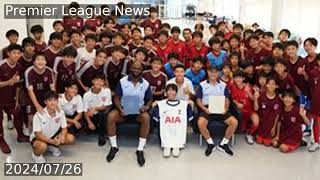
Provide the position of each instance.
(54, 49)
(173, 116)
(87, 53)
(12, 36)
(37, 32)
(163, 48)
(217, 56)
(289, 132)
(178, 45)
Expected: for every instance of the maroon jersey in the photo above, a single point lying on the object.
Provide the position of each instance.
(5, 53)
(93, 23)
(132, 46)
(51, 56)
(157, 83)
(64, 73)
(194, 52)
(164, 52)
(268, 111)
(40, 47)
(87, 72)
(155, 25)
(71, 23)
(290, 130)
(8, 93)
(40, 83)
(301, 83)
(310, 64)
(287, 83)
(25, 62)
(115, 71)
(314, 80)
(256, 58)
(180, 48)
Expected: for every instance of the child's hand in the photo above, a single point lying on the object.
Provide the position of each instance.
(256, 94)
(91, 126)
(77, 124)
(302, 70)
(56, 141)
(302, 112)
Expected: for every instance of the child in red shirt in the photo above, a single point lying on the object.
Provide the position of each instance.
(177, 43)
(242, 96)
(289, 131)
(163, 48)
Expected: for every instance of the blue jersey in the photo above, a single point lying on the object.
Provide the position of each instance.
(195, 78)
(168, 70)
(217, 60)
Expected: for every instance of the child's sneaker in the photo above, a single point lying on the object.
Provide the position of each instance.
(38, 159)
(55, 151)
(314, 147)
(166, 152)
(249, 139)
(176, 152)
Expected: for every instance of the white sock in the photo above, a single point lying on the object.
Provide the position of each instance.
(142, 142)
(224, 141)
(113, 141)
(209, 141)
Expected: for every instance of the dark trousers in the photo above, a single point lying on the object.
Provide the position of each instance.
(10, 109)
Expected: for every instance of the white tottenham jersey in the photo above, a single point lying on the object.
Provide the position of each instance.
(173, 118)
(48, 125)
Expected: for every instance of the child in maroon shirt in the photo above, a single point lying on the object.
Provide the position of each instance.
(54, 50)
(37, 32)
(256, 53)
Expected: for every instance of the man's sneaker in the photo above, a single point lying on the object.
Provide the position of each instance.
(38, 159)
(249, 139)
(26, 131)
(176, 152)
(314, 147)
(102, 141)
(5, 147)
(303, 143)
(112, 153)
(225, 148)
(55, 151)
(140, 158)
(10, 124)
(23, 139)
(166, 152)
(210, 148)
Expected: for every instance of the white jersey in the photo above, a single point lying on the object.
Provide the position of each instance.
(84, 56)
(72, 107)
(173, 118)
(48, 125)
(91, 100)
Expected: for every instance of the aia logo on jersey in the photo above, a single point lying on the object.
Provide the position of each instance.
(45, 79)
(103, 99)
(57, 120)
(172, 120)
(276, 107)
(293, 119)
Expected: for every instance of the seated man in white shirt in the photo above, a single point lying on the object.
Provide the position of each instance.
(49, 129)
(71, 104)
(96, 103)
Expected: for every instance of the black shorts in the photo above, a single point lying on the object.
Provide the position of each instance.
(215, 117)
(56, 134)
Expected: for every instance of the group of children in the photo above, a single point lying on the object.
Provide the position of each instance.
(85, 78)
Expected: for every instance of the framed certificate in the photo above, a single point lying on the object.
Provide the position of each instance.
(217, 104)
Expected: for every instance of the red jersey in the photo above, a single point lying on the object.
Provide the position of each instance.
(290, 129)
(301, 83)
(51, 56)
(93, 23)
(71, 23)
(194, 52)
(180, 48)
(257, 57)
(157, 83)
(314, 80)
(64, 73)
(164, 52)
(310, 64)
(268, 111)
(40, 83)
(241, 96)
(8, 93)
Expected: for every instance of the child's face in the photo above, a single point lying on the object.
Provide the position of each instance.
(212, 31)
(68, 60)
(309, 47)
(226, 71)
(171, 94)
(133, 26)
(72, 91)
(98, 83)
(291, 51)
(179, 73)
(288, 100)
(58, 27)
(237, 31)
(262, 81)
(51, 103)
(101, 58)
(279, 68)
(37, 35)
(140, 56)
(283, 36)
(254, 43)
(226, 46)
(118, 40)
(266, 68)
(163, 39)
(117, 55)
(234, 43)
(90, 43)
(238, 80)
(197, 39)
(148, 31)
(75, 39)
(173, 62)
(148, 43)
(106, 40)
(65, 38)
(216, 47)
(109, 25)
(13, 39)
(222, 27)
(277, 52)
(175, 35)
(213, 75)
(268, 40)
(40, 62)
(249, 70)
(197, 65)
(136, 35)
(153, 14)
(126, 30)
(29, 49)
(271, 85)
(156, 66)
(56, 43)
(234, 60)
(187, 35)
(14, 55)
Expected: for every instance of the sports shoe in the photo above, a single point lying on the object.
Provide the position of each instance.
(26, 131)
(5, 147)
(249, 139)
(210, 148)
(225, 148)
(166, 152)
(102, 141)
(55, 151)
(112, 153)
(38, 159)
(140, 158)
(314, 147)
(176, 152)
(10, 124)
